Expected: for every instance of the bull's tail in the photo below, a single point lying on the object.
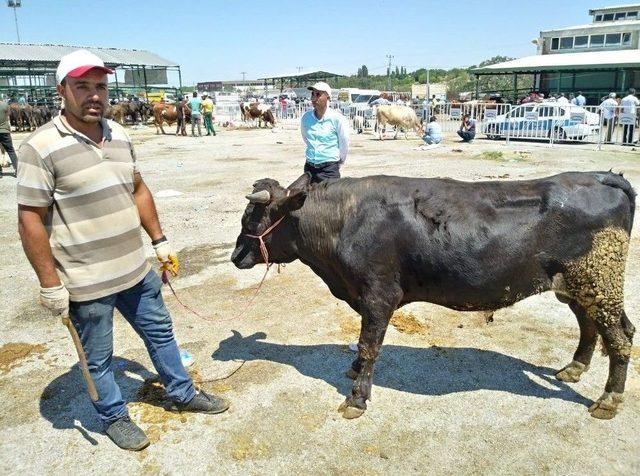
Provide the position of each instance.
(618, 181)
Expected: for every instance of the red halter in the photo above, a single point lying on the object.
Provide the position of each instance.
(260, 238)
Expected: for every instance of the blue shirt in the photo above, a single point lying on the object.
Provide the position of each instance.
(327, 139)
(434, 130)
(195, 106)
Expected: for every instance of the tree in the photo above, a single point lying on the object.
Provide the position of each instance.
(365, 71)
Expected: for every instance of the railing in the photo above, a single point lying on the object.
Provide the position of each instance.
(550, 122)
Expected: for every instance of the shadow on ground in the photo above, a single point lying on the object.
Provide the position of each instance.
(66, 404)
(423, 371)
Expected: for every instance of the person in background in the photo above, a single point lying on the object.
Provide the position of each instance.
(181, 127)
(195, 106)
(82, 207)
(629, 105)
(572, 99)
(325, 133)
(433, 132)
(467, 131)
(608, 107)
(580, 99)
(207, 112)
(5, 137)
(562, 99)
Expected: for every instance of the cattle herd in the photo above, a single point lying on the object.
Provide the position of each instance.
(27, 117)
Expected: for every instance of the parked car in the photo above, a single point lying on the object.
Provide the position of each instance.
(541, 120)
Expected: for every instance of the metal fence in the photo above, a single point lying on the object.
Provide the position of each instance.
(550, 122)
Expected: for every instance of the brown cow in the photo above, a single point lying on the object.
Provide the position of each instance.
(163, 112)
(261, 112)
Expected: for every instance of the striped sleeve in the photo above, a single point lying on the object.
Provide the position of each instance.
(36, 183)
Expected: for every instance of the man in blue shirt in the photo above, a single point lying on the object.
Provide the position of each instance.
(326, 134)
(195, 104)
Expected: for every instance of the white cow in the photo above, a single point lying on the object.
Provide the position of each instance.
(400, 116)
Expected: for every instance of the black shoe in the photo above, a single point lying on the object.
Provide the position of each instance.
(127, 435)
(202, 403)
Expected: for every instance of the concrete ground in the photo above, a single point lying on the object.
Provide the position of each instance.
(452, 393)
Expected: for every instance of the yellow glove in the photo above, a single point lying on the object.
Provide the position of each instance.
(167, 257)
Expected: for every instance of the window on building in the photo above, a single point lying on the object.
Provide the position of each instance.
(607, 17)
(597, 41)
(554, 43)
(626, 39)
(612, 39)
(632, 15)
(620, 16)
(598, 17)
(567, 43)
(581, 42)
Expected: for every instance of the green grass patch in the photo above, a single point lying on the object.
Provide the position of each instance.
(491, 155)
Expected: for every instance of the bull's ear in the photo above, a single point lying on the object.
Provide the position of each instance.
(294, 201)
(301, 182)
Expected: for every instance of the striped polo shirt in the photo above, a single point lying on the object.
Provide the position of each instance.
(92, 222)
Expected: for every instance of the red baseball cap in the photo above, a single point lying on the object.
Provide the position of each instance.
(79, 63)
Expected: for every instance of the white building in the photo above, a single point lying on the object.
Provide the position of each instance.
(595, 58)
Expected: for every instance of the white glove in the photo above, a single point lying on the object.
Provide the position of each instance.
(55, 299)
(167, 257)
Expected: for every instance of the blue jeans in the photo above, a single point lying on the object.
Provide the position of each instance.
(142, 306)
(431, 140)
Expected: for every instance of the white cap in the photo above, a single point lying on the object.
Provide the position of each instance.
(612, 95)
(321, 86)
(78, 63)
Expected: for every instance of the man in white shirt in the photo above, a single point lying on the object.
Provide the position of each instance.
(629, 105)
(326, 134)
(608, 107)
(580, 99)
(562, 99)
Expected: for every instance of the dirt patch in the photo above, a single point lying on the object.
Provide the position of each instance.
(635, 358)
(150, 411)
(14, 354)
(407, 323)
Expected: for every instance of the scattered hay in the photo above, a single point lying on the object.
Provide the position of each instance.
(407, 323)
(13, 354)
(244, 446)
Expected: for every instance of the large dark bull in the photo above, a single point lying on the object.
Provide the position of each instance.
(382, 242)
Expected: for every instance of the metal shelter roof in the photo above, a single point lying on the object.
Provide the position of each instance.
(310, 76)
(25, 54)
(592, 60)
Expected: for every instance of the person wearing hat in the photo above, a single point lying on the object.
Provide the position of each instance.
(195, 106)
(207, 112)
(82, 204)
(325, 132)
(608, 107)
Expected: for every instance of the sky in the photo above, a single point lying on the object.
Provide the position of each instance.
(218, 40)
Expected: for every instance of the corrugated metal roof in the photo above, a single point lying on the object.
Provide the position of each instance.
(567, 61)
(25, 53)
(305, 75)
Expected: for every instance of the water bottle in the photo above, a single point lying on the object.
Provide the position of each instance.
(186, 358)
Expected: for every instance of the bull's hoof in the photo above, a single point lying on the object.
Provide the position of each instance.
(606, 407)
(572, 372)
(349, 412)
(352, 374)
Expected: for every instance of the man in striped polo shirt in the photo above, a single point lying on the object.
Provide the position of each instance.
(81, 203)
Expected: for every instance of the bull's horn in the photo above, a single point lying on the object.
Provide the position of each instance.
(263, 196)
